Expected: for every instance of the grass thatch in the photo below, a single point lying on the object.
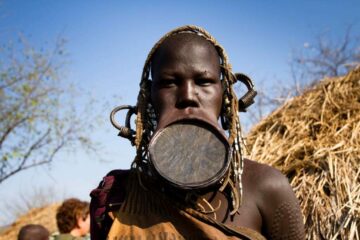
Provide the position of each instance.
(44, 216)
(314, 139)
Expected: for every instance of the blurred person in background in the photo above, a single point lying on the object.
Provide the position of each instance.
(73, 220)
(33, 232)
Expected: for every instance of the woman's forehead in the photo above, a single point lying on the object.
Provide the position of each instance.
(182, 47)
(182, 40)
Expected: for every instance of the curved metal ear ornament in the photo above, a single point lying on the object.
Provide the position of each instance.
(125, 131)
(248, 99)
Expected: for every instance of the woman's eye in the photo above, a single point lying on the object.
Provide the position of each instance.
(167, 82)
(203, 81)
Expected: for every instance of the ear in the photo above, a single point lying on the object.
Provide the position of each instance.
(149, 85)
(224, 106)
(224, 120)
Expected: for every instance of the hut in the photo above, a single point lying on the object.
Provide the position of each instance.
(314, 139)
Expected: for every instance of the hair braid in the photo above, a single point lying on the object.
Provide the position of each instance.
(146, 123)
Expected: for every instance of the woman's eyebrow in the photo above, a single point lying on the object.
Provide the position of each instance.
(206, 74)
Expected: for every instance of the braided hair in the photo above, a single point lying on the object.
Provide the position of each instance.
(146, 118)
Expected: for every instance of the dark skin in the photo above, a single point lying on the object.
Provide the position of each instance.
(186, 80)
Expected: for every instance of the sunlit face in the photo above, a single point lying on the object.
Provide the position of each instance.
(186, 80)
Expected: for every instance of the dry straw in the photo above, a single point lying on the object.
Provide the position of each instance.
(315, 140)
(44, 216)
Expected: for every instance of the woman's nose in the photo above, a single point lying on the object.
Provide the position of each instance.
(187, 95)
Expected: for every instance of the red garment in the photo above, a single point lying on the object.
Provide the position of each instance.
(107, 197)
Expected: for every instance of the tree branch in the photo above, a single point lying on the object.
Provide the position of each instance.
(10, 129)
(21, 167)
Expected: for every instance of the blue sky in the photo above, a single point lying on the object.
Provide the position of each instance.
(108, 42)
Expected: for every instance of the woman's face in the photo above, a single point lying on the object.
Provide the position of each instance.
(186, 80)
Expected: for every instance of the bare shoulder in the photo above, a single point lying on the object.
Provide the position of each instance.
(275, 199)
(264, 178)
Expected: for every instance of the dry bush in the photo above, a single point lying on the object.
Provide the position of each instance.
(44, 216)
(24, 202)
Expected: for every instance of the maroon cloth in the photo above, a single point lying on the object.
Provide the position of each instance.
(107, 197)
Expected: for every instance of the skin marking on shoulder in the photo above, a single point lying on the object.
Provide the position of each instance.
(287, 223)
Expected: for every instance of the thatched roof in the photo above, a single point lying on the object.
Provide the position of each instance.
(44, 216)
(315, 140)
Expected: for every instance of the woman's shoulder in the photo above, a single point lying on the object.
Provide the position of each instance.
(265, 180)
(275, 200)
